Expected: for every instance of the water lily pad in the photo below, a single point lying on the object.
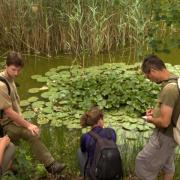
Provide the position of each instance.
(42, 79)
(151, 125)
(141, 128)
(24, 103)
(29, 114)
(43, 88)
(53, 89)
(133, 120)
(42, 119)
(38, 104)
(77, 116)
(62, 114)
(50, 73)
(56, 123)
(47, 110)
(36, 76)
(64, 68)
(73, 126)
(63, 102)
(128, 126)
(33, 90)
(50, 104)
(54, 96)
(32, 99)
(46, 95)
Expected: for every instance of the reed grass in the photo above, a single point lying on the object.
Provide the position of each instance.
(78, 26)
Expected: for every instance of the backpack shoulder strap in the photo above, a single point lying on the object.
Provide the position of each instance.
(178, 82)
(174, 78)
(94, 135)
(7, 84)
(176, 110)
(9, 91)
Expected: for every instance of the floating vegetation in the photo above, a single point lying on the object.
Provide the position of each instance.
(36, 76)
(33, 90)
(24, 103)
(37, 104)
(32, 99)
(119, 89)
(29, 114)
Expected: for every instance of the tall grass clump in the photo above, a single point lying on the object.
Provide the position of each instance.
(92, 27)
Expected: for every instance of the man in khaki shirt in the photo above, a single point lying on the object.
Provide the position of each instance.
(158, 153)
(14, 125)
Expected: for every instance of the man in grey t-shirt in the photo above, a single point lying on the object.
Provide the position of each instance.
(158, 153)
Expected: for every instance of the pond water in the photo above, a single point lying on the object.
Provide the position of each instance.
(57, 139)
(39, 65)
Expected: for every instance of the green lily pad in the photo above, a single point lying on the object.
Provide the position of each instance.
(24, 103)
(29, 114)
(47, 110)
(43, 88)
(62, 114)
(50, 73)
(141, 128)
(73, 126)
(56, 123)
(42, 119)
(46, 95)
(42, 79)
(128, 126)
(36, 76)
(38, 104)
(49, 104)
(32, 99)
(133, 120)
(77, 116)
(33, 90)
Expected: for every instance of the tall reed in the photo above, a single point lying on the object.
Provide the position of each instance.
(78, 26)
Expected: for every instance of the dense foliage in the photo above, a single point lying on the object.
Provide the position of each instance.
(71, 90)
(112, 86)
(78, 26)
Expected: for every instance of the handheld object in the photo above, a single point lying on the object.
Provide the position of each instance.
(144, 117)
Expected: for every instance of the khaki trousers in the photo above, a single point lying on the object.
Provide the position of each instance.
(38, 148)
(156, 156)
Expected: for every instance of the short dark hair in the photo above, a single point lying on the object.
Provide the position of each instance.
(152, 62)
(14, 58)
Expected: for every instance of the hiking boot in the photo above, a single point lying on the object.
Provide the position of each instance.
(56, 168)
